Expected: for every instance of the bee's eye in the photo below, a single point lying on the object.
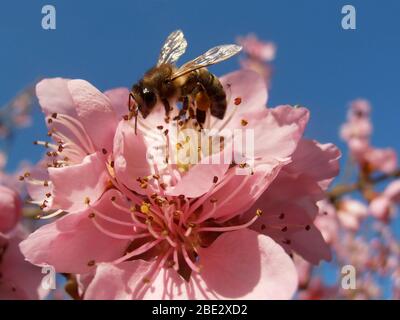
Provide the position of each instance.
(149, 97)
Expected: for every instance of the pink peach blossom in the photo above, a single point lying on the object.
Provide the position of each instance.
(257, 49)
(161, 223)
(383, 160)
(10, 209)
(327, 221)
(19, 279)
(82, 123)
(382, 207)
(351, 212)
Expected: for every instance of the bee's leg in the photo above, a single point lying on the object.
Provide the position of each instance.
(200, 117)
(167, 107)
(185, 106)
(203, 103)
(133, 111)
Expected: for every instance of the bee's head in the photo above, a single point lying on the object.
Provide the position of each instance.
(145, 97)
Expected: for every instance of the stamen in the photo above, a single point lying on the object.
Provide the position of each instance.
(109, 219)
(189, 261)
(51, 215)
(147, 246)
(229, 228)
(110, 233)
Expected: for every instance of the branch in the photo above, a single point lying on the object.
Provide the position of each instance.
(363, 184)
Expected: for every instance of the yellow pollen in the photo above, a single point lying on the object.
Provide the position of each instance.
(87, 200)
(259, 212)
(145, 208)
(143, 185)
(179, 146)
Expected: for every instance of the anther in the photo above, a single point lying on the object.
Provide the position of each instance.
(259, 212)
(215, 179)
(244, 122)
(284, 229)
(91, 215)
(104, 151)
(282, 216)
(91, 263)
(145, 208)
(87, 200)
(238, 101)
(308, 227)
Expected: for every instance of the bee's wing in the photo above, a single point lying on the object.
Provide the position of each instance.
(173, 48)
(212, 56)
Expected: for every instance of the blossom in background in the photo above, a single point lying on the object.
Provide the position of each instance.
(10, 209)
(18, 279)
(161, 229)
(82, 129)
(357, 132)
(351, 212)
(383, 206)
(16, 113)
(259, 55)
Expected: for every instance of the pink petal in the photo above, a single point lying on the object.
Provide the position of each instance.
(199, 179)
(119, 98)
(20, 279)
(54, 97)
(239, 265)
(95, 112)
(130, 154)
(117, 282)
(247, 85)
(241, 192)
(73, 185)
(10, 209)
(380, 207)
(384, 160)
(246, 265)
(72, 242)
(295, 198)
(278, 132)
(319, 161)
(392, 191)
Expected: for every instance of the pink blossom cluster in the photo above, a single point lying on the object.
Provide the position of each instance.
(16, 113)
(356, 218)
(123, 212)
(130, 228)
(258, 56)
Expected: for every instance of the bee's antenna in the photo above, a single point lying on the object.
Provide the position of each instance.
(132, 112)
(136, 119)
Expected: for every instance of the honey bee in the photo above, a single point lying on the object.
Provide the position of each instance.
(192, 84)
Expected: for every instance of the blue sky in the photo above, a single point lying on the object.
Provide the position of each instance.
(111, 43)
